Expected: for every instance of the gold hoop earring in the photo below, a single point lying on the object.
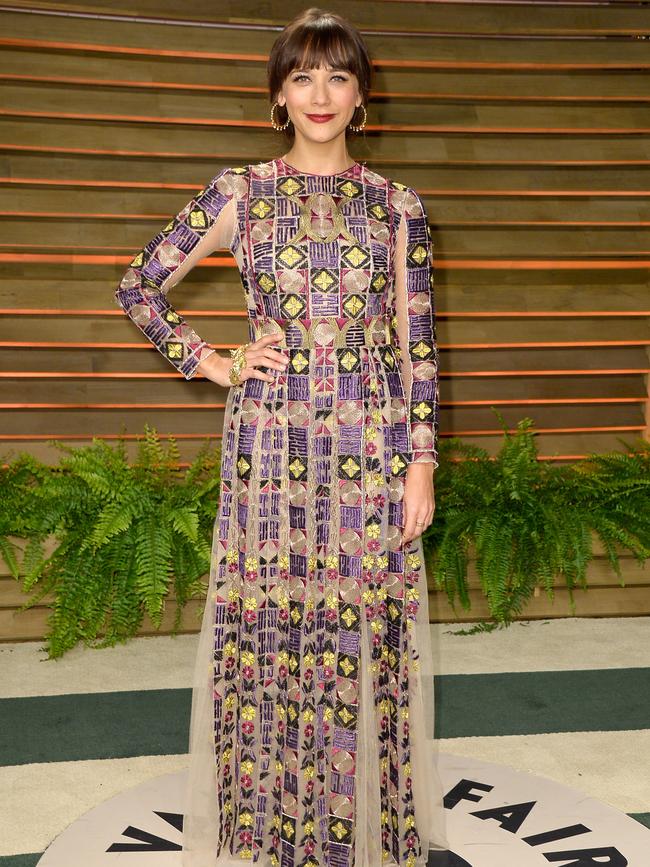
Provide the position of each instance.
(365, 118)
(274, 124)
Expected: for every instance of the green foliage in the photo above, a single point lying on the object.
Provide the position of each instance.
(529, 522)
(125, 535)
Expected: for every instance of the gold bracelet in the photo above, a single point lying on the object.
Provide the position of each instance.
(239, 363)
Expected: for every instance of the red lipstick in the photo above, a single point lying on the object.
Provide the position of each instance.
(320, 118)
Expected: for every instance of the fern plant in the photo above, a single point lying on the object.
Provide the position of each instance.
(125, 535)
(531, 523)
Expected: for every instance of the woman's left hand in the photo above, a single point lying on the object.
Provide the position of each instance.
(419, 500)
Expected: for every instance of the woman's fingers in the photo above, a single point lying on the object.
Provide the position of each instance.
(275, 357)
(260, 353)
(410, 517)
(412, 514)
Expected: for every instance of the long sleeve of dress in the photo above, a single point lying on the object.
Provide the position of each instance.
(416, 329)
(206, 223)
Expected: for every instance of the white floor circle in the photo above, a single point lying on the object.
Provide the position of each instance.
(496, 817)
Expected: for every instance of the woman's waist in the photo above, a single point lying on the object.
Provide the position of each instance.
(326, 331)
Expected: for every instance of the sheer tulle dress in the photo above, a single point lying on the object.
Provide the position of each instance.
(311, 736)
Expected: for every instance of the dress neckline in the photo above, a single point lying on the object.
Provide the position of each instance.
(289, 169)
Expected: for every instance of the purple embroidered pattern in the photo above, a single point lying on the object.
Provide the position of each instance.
(313, 588)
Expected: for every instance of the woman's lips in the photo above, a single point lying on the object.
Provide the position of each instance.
(320, 118)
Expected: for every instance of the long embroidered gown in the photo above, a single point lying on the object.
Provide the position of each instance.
(311, 736)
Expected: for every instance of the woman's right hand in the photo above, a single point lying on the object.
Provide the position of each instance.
(217, 367)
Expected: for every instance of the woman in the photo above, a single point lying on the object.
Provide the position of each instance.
(312, 711)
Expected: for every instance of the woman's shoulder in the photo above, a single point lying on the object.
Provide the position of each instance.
(379, 180)
(398, 194)
(229, 181)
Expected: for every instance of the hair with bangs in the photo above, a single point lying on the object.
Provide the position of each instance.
(316, 38)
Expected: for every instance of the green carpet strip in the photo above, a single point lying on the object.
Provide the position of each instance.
(29, 860)
(114, 725)
(540, 702)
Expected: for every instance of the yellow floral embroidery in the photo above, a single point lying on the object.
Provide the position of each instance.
(413, 561)
(248, 712)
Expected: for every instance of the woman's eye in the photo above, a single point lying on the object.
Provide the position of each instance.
(298, 77)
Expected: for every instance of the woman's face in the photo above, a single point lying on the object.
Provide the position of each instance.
(330, 92)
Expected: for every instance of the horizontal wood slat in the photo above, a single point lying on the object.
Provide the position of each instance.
(605, 596)
(421, 95)
(611, 52)
(376, 128)
(440, 314)
(596, 601)
(504, 17)
(441, 262)
(378, 161)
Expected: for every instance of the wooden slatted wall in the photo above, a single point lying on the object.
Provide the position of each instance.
(526, 128)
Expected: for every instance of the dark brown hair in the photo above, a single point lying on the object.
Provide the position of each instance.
(317, 37)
